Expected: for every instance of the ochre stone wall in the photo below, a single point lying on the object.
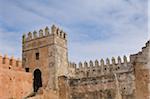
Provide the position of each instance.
(141, 63)
(104, 87)
(94, 81)
(63, 88)
(14, 84)
(10, 63)
(100, 79)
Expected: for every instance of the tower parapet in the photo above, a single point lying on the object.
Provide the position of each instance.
(44, 33)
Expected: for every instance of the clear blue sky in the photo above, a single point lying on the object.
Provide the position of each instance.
(96, 28)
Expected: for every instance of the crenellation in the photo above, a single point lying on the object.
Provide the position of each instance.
(91, 63)
(102, 62)
(29, 36)
(10, 63)
(41, 33)
(70, 65)
(119, 60)
(74, 65)
(113, 61)
(61, 33)
(47, 31)
(55, 31)
(35, 34)
(85, 64)
(80, 65)
(18, 63)
(5, 59)
(107, 61)
(125, 61)
(96, 69)
(64, 35)
(96, 63)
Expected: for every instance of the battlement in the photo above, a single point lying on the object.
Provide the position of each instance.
(10, 63)
(56, 31)
(100, 63)
(98, 68)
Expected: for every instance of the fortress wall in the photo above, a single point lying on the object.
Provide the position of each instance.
(14, 81)
(104, 87)
(142, 72)
(96, 68)
(101, 79)
(110, 79)
(10, 63)
(133, 75)
(14, 84)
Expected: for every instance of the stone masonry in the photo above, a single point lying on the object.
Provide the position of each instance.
(51, 50)
(46, 73)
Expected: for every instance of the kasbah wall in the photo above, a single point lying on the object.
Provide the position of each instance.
(46, 73)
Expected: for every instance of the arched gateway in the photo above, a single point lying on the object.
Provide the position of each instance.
(37, 81)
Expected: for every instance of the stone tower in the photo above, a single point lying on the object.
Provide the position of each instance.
(45, 55)
(141, 63)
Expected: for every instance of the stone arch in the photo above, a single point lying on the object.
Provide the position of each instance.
(37, 81)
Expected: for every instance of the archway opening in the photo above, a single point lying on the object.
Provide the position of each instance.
(37, 81)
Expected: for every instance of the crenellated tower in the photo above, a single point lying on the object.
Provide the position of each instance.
(45, 54)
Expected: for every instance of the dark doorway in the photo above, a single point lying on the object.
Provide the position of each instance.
(37, 82)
